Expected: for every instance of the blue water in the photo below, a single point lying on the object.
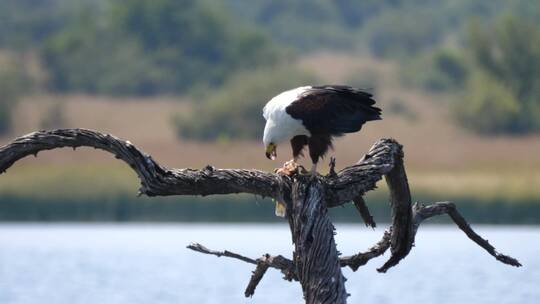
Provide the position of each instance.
(148, 263)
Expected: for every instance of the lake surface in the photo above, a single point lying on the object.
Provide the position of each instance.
(148, 263)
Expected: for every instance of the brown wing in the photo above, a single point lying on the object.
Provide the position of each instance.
(334, 109)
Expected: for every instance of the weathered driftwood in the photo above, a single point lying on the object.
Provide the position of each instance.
(316, 262)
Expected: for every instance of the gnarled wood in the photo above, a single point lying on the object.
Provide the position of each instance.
(156, 180)
(422, 212)
(316, 263)
(315, 254)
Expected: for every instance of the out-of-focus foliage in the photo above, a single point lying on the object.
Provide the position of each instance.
(443, 70)
(395, 34)
(418, 25)
(25, 24)
(13, 83)
(308, 24)
(91, 57)
(387, 28)
(142, 47)
(148, 47)
(488, 106)
(503, 93)
(235, 110)
(510, 52)
(455, 70)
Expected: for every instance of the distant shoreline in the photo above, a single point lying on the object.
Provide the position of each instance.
(233, 208)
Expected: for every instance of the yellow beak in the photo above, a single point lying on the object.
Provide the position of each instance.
(271, 151)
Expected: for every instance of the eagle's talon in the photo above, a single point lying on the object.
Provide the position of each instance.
(289, 168)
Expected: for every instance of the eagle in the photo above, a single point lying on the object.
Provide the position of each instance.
(312, 116)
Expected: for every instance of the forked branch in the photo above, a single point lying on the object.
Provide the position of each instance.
(316, 263)
(279, 262)
(421, 212)
(157, 180)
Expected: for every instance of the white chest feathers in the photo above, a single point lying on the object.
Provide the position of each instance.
(280, 126)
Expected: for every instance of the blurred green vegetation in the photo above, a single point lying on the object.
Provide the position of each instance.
(147, 47)
(26, 24)
(125, 206)
(235, 110)
(443, 70)
(140, 47)
(308, 24)
(496, 72)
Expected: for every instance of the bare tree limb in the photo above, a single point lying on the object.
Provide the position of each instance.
(256, 277)
(400, 204)
(279, 262)
(285, 265)
(422, 212)
(156, 180)
(361, 259)
(200, 248)
(353, 181)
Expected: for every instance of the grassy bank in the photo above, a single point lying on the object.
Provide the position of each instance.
(238, 208)
(99, 192)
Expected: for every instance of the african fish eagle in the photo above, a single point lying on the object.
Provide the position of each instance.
(313, 115)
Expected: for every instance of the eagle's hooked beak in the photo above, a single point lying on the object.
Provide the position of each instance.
(271, 151)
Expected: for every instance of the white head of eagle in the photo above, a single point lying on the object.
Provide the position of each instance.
(313, 115)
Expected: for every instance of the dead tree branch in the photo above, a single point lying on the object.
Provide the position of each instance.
(316, 263)
(422, 212)
(279, 262)
(200, 248)
(360, 259)
(156, 180)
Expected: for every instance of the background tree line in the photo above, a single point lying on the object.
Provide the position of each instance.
(138, 47)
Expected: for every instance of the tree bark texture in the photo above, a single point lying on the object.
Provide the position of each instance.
(316, 262)
(315, 254)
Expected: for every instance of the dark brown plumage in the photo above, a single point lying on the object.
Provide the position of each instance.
(329, 111)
